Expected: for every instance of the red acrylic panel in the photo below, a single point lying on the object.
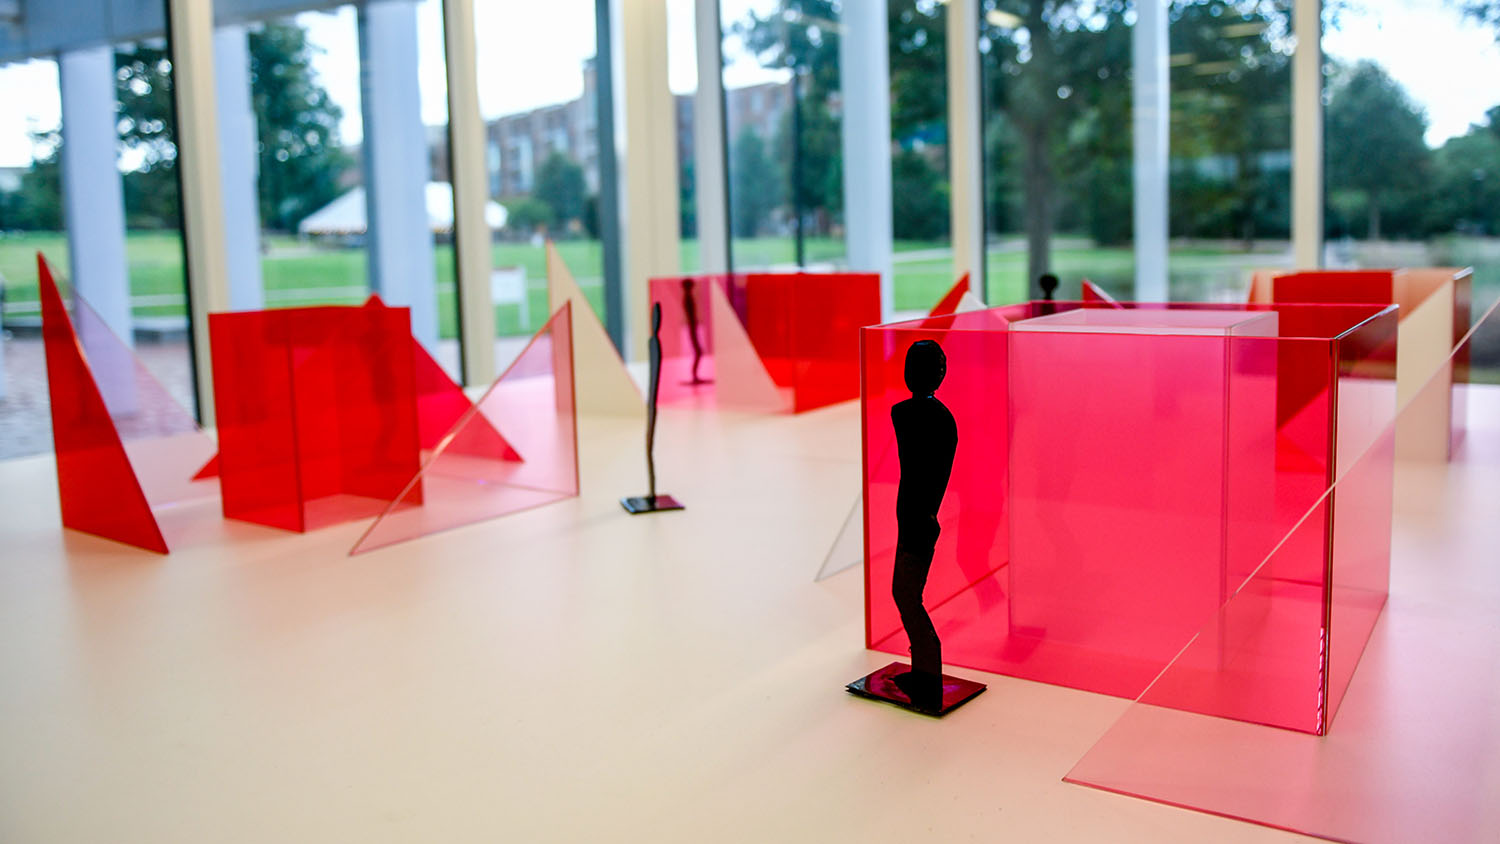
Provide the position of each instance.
(97, 488)
(441, 404)
(949, 303)
(1411, 753)
(1358, 287)
(805, 326)
(802, 330)
(1433, 316)
(1095, 296)
(464, 480)
(1120, 472)
(316, 411)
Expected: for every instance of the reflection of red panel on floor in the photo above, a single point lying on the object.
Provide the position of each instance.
(1121, 471)
(125, 449)
(764, 341)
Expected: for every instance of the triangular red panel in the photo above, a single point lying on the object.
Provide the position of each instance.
(462, 482)
(97, 488)
(441, 404)
(1094, 296)
(162, 439)
(949, 303)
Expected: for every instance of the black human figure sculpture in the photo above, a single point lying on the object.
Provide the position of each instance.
(690, 313)
(926, 442)
(651, 502)
(1048, 282)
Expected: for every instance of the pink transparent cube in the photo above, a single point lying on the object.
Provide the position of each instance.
(1121, 472)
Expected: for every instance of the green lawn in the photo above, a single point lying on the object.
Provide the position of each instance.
(296, 272)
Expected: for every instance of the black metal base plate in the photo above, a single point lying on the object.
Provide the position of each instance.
(647, 504)
(880, 686)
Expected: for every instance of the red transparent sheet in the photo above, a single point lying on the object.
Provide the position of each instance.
(98, 491)
(723, 367)
(800, 330)
(1434, 315)
(949, 303)
(461, 483)
(1094, 296)
(1115, 486)
(316, 413)
(806, 328)
(1412, 754)
(441, 404)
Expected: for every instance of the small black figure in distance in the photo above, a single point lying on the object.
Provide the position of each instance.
(651, 502)
(926, 441)
(690, 313)
(1048, 282)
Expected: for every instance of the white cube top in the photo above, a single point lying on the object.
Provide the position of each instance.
(1153, 321)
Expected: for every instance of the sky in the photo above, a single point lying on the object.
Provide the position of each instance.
(531, 54)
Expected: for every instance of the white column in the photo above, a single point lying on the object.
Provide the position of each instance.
(198, 171)
(865, 84)
(239, 167)
(965, 143)
(1151, 112)
(398, 236)
(1307, 134)
(93, 197)
(649, 164)
(471, 181)
(709, 173)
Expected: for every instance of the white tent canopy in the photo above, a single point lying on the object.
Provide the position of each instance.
(346, 215)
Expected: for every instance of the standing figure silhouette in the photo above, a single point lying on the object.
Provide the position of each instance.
(926, 440)
(651, 502)
(690, 313)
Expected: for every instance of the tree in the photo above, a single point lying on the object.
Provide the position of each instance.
(919, 198)
(527, 214)
(1230, 113)
(300, 156)
(1046, 64)
(756, 190)
(802, 37)
(144, 119)
(1486, 12)
(560, 183)
(36, 205)
(1465, 193)
(1374, 141)
(919, 66)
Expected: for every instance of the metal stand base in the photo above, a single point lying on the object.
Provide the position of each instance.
(648, 504)
(881, 685)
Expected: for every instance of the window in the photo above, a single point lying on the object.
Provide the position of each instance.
(88, 177)
(1231, 137)
(538, 94)
(1057, 145)
(348, 152)
(923, 263)
(781, 80)
(1412, 139)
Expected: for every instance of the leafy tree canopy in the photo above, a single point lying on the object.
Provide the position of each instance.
(300, 154)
